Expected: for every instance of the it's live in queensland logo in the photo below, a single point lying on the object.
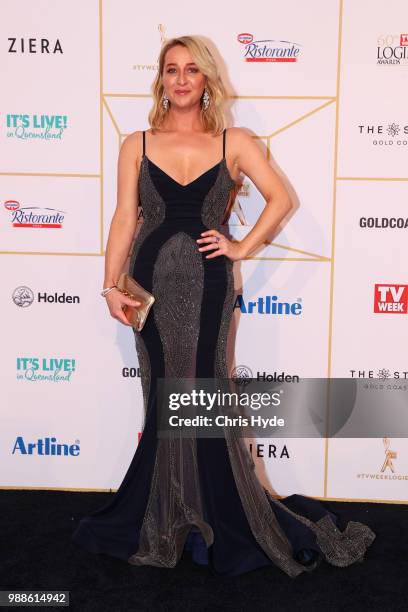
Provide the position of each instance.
(49, 369)
(269, 305)
(36, 127)
(34, 216)
(268, 50)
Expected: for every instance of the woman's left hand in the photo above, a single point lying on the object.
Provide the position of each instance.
(220, 244)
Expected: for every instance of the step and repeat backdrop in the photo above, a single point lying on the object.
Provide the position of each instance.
(322, 85)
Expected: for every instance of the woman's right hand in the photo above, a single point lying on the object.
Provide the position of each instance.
(116, 300)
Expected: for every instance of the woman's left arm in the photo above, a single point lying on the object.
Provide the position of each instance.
(250, 160)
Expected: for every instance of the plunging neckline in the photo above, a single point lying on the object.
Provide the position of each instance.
(194, 180)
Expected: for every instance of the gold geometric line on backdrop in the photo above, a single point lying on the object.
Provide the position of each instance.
(251, 97)
(335, 161)
(112, 118)
(62, 174)
(101, 154)
(314, 259)
(268, 137)
(288, 248)
(371, 178)
(95, 254)
(301, 118)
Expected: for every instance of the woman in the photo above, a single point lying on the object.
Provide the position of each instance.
(200, 495)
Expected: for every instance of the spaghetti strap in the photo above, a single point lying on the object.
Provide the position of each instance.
(223, 142)
(143, 142)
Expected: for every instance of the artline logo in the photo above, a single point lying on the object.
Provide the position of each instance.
(36, 127)
(391, 299)
(23, 296)
(392, 49)
(34, 216)
(269, 304)
(36, 369)
(34, 45)
(45, 447)
(384, 222)
(385, 135)
(268, 50)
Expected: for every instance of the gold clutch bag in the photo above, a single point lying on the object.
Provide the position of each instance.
(136, 315)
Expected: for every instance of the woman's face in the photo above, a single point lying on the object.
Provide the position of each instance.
(183, 82)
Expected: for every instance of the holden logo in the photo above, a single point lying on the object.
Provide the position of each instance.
(245, 38)
(23, 297)
(241, 375)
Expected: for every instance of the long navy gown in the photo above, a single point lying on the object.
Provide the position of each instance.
(200, 495)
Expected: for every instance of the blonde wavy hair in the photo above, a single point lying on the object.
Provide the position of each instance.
(213, 119)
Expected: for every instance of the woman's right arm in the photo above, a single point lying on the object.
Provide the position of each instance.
(123, 224)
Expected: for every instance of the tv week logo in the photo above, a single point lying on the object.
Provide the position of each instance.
(391, 298)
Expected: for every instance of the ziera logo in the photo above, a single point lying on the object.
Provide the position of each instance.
(34, 45)
(391, 299)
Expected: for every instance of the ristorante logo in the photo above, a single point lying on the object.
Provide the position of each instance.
(391, 299)
(36, 127)
(268, 50)
(385, 135)
(269, 304)
(51, 369)
(48, 447)
(34, 216)
(34, 45)
(383, 222)
(392, 49)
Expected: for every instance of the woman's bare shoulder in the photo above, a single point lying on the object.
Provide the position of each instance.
(132, 145)
(239, 139)
(239, 134)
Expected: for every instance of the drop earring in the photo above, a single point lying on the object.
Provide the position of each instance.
(165, 102)
(206, 99)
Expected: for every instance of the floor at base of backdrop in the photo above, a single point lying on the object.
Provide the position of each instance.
(36, 553)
